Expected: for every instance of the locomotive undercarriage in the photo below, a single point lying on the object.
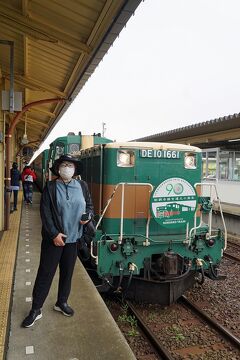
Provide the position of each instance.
(163, 279)
(158, 292)
(157, 270)
(149, 290)
(141, 289)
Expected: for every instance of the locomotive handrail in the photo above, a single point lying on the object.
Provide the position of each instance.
(195, 225)
(99, 221)
(211, 185)
(122, 207)
(103, 238)
(105, 209)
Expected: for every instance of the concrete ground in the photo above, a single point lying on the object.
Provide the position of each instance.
(91, 334)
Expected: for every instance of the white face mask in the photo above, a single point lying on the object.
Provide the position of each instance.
(66, 173)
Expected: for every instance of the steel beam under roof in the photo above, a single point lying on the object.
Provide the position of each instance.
(57, 47)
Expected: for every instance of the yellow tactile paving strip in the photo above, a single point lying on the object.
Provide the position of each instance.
(8, 251)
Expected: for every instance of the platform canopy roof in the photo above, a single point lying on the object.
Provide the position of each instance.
(223, 131)
(57, 46)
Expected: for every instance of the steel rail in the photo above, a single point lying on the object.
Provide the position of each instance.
(232, 257)
(234, 236)
(233, 244)
(159, 348)
(212, 322)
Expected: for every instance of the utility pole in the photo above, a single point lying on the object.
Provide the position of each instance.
(103, 128)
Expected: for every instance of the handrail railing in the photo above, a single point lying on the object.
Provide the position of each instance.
(123, 184)
(212, 186)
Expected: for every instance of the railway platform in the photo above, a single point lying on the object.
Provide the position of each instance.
(228, 208)
(231, 213)
(90, 334)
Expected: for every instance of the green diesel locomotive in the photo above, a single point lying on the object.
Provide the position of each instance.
(70, 144)
(40, 167)
(154, 235)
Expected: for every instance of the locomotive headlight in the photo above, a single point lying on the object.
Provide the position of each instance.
(125, 158)
(190, 161)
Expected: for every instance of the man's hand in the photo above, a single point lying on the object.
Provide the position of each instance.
(58, 240)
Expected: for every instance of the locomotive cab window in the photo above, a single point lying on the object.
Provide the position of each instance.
(190, 161)
(59, 150)
(125, 158)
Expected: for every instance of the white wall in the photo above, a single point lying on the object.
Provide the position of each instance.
(228, 191)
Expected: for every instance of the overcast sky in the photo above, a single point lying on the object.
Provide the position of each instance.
(176, 63)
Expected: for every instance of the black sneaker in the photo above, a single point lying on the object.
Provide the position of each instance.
(64, 308)
(31, 318)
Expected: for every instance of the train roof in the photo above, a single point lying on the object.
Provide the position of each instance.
(153, 145)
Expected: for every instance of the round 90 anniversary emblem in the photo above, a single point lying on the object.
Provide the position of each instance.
(174, 202)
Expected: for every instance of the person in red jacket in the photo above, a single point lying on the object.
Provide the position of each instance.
(28, 177)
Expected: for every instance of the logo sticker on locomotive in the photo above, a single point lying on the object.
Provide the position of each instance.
(174, 202)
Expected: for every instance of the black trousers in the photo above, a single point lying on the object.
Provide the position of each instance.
(51, 257)
(15, 198)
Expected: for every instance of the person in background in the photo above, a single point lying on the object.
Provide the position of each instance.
(23, 186)
(28, 177)
(65, 207)
(15, 181)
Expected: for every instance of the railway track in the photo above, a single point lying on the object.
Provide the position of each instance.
(233, 246)
(232, 257)
(226, 334)
(192, 333)
(152, 338)
(223, 341)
